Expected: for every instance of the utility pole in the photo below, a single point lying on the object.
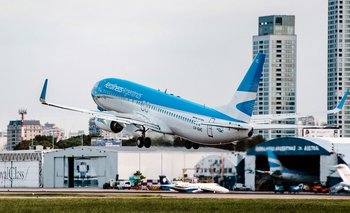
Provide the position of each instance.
(53, 141)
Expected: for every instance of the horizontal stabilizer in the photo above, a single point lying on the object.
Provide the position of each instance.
(341, 103)
(259, 126)
(264, 119)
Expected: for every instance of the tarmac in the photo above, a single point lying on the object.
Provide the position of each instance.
(102, 193)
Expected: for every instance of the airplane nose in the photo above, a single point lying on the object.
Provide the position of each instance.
(94, 89)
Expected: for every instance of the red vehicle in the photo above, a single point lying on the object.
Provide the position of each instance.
(319, 188)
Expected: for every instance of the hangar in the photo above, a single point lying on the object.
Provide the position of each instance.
(88, 166)
(314, 156)
(21, 168)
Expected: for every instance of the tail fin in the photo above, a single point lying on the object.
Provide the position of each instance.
(344, 172)
(242, 104)
(274, 163)
(163, 180)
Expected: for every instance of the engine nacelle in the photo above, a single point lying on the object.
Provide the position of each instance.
(109, 125)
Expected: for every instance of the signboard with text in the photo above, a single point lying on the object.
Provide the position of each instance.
(288, 146)
(19, 174)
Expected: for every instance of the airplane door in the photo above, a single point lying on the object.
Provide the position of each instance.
(210, 128)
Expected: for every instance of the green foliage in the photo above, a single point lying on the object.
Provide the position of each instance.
(74, 141)
(139, 174)
(179, 143)
(131, 142)
(138, 177)
(46, 141)
(243, 145)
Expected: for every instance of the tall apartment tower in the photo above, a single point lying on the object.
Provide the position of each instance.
(338, 62)
(277, 87)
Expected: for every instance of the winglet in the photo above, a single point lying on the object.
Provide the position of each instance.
(43, 92)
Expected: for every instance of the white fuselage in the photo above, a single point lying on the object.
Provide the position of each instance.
(175, 122)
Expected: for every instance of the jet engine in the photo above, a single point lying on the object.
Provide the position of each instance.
(109, 125)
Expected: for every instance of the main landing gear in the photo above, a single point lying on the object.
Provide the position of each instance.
(189, 145)
(143, 140)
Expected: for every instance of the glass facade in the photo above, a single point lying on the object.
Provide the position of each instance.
(338, 80)
(277, 87)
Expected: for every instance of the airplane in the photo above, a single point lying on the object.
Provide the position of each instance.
(279, 172)
(123, 103)
(181, 186)
(344, 173)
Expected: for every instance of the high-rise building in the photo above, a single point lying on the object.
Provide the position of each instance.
(338, 63)
(277, 87)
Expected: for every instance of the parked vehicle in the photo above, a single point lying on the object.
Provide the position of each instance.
(119, 184)
(279, 188)
(319, 188)
(295, 189)
(240, 187)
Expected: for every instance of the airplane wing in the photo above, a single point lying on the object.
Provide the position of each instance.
(123, 118)
(273, 117)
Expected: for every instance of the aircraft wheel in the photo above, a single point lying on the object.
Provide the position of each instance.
(195, 145)
(147, 142)
(188, 144)
(139, 142)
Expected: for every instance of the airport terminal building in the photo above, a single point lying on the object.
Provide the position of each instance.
(315, 156)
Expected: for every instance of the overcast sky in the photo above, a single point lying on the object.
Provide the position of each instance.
(198, 49)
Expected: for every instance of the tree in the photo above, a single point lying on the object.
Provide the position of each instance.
(138, 177)
(46, 142)
(243, 145)
(74, 141)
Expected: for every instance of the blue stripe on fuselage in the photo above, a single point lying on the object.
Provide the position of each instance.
(130, 90)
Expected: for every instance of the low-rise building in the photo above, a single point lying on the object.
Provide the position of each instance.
(16, 133)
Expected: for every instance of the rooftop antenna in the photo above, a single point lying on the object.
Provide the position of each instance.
(22, 112)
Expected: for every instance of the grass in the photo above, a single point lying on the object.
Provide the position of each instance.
(169, 205)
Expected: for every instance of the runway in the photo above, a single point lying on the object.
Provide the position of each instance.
(103, 193)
